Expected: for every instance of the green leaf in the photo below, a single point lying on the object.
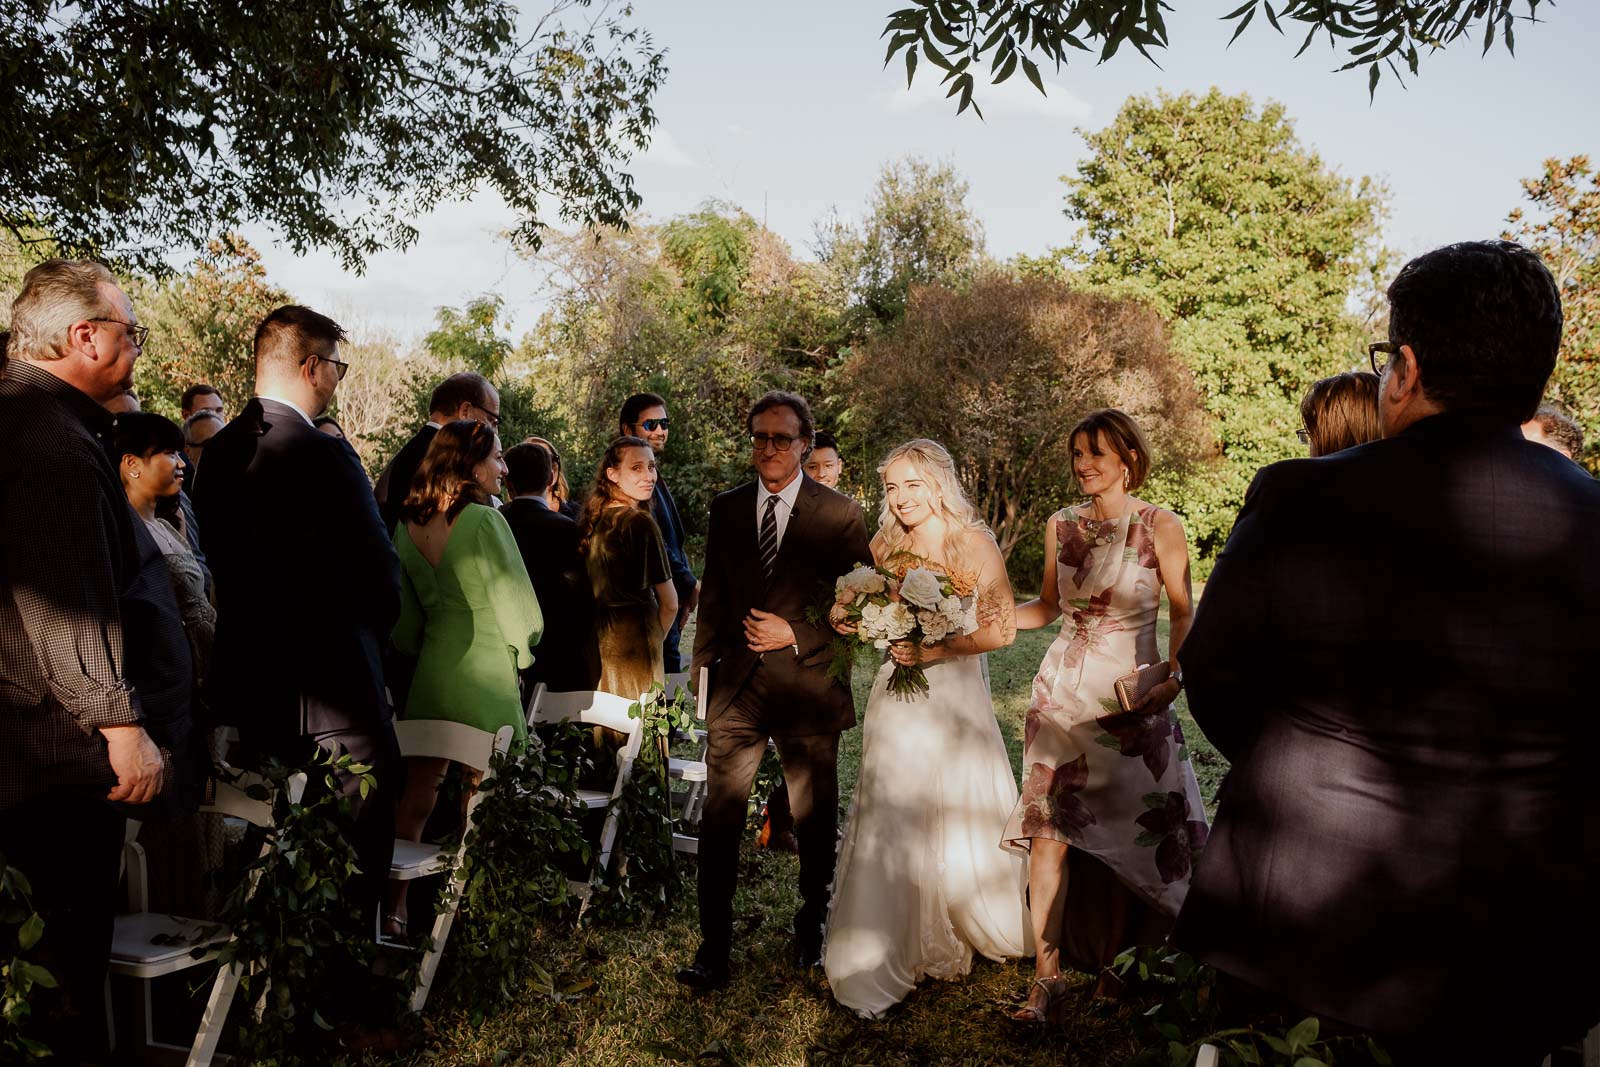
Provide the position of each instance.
(1379, 1055)
(1007, 69)
(1149, 839)
(1242, 24)
(30, 932)
(1157, 799)
(1031, 69)
(911, 67)
(1309, 1061)
(1372, 82)
(1303, 1033)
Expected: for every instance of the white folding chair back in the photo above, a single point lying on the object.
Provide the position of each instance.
(594, 708)
(692, 772)
(1208, 1056)
(471, 747)
(147, 945)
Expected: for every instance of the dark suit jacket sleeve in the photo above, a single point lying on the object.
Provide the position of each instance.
(851, 547)
(369, 565)
(1227, 655)
(671, 524)
(708, 619)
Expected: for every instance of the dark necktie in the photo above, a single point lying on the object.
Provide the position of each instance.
(768, 542)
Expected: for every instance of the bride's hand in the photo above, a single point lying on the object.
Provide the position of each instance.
(907, 654)
(840, 621)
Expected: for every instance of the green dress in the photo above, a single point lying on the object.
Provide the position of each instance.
(471, 622)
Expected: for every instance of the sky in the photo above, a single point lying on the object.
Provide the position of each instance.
(786, 110)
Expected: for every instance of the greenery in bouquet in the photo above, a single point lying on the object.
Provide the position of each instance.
(905, 602)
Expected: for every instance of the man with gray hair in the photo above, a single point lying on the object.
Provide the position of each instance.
(95, 701)
(1550, 427)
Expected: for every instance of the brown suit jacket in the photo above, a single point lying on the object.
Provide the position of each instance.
(826, 537)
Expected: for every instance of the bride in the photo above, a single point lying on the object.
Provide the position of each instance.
(921, 882)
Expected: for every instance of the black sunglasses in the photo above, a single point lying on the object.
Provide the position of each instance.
(655, 424)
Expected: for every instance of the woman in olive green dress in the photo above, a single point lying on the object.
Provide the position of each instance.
(634, 598)
(467, 612)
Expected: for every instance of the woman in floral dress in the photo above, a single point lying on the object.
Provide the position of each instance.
(1109, 804)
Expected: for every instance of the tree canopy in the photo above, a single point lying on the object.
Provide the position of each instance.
(1564, 228)
(1211, 210)
(960, 36)
(134, 129)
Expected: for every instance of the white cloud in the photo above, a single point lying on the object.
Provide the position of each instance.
(666, 151)
(1016, 97)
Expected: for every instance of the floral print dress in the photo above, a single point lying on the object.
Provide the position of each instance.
(1116, 786)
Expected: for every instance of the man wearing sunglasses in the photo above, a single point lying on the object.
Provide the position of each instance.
(644, 415)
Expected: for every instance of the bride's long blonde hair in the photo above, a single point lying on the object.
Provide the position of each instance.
(964, 527)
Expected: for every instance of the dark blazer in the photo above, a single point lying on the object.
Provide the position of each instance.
(825, 538)
(395, 481)
(308, 584)
(567, 658)
(1396, 652)
(668, 521)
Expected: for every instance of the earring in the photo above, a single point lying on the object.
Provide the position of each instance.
(134, 474)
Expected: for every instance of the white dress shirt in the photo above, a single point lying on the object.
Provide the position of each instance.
(786, 498)
(298, 410)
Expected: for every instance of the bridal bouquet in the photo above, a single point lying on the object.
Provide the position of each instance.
(912, 604)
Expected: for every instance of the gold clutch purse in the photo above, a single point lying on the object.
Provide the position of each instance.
(1132, 688)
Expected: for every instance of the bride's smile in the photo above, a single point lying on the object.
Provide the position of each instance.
(908, 494)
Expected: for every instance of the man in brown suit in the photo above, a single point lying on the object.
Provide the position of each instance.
(773, 547)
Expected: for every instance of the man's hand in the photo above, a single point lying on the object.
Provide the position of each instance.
(766, 632)
(136, 761)
(693, 599)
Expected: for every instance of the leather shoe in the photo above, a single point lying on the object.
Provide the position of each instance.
(703, 977)
(807, 954)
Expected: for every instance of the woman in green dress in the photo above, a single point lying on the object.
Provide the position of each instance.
(467, 612)
(635, 601)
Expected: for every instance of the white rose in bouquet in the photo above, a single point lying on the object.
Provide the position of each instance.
(871, 620)
(898, 621)
(863, 581)
(921, 587)
(935, 627)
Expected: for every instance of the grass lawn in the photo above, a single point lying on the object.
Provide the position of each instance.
(635, 1013)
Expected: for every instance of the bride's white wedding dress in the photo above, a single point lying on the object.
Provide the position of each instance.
(922, 882)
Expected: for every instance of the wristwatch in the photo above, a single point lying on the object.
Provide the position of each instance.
(1177, 676)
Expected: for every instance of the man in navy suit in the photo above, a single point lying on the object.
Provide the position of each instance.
(307, 580)
(644, 415)
(1396, 654)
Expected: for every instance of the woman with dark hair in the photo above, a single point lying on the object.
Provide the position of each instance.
(1340, 412)
(634, 599)
(559, 494)
(467, 611)
(1110, 812)
(149, 452)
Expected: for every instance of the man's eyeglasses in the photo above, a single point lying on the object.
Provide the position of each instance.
(491, 417)
(655, 424)
(1380, 353)
(341, 364)
(137, 332)
(781, 441)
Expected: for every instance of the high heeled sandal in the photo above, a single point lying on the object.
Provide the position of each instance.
(1055, 988)
(394, 928)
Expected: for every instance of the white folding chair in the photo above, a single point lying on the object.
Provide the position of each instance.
(471, 747)
(147, 944)
(595, 709)
(1207, 1056)
(691, 772)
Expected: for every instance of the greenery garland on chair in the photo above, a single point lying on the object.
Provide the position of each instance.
(526, 839)
(297, 922)
(644, 876)
(20, 930)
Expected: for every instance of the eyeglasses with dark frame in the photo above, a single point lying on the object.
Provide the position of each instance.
(655, 424)
(137, 332)
(494, 416)
(1388, 349)
(341, 364)
(781, 441)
